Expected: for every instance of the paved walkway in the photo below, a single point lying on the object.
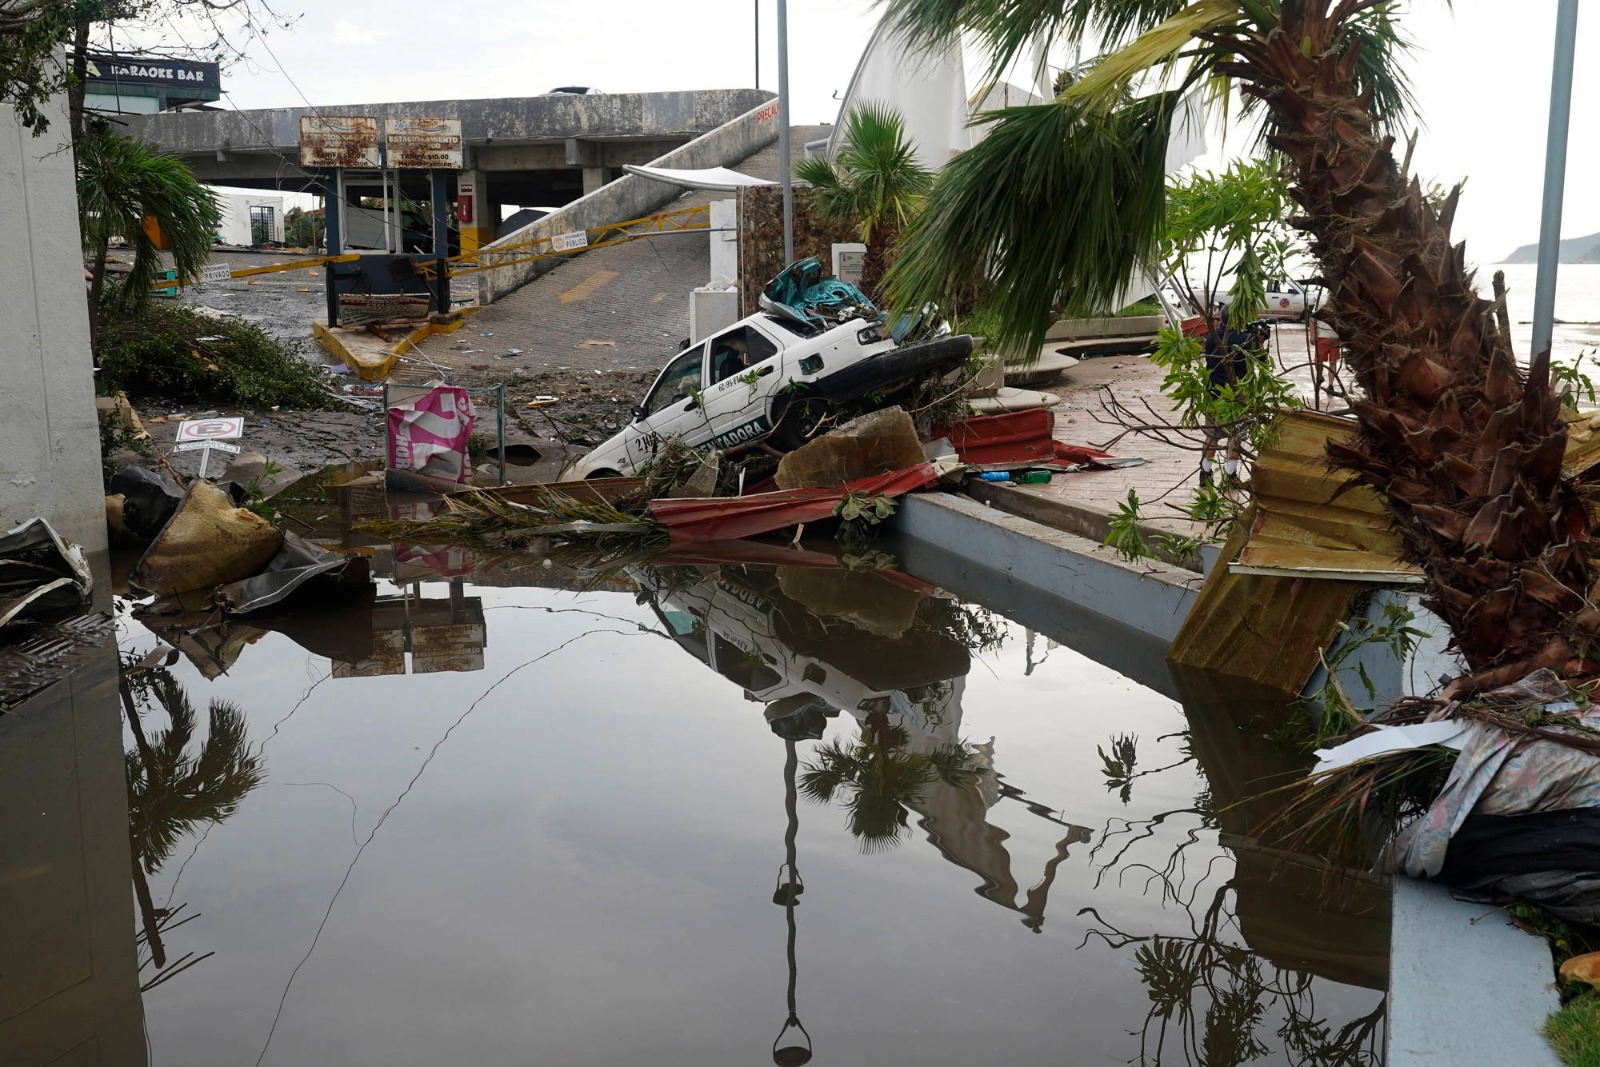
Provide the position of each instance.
(1165, 483)
(624, 307)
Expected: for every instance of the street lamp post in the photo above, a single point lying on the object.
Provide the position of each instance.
(784, 165)
(1555, 177)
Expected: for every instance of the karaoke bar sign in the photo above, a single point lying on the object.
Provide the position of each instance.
(154, 70)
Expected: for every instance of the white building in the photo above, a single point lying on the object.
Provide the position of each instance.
(249, 217)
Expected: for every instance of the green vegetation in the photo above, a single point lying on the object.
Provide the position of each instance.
(171, 351)
(116, 433)
(1125, 536)
(1233, 223)
(874, 183)
(303, 229)
(859, 516)
(122, 183)
(1574, 1031)
(1338, 713)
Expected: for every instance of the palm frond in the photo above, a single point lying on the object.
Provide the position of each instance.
(123, 181)
(475, 517)
(875, 182)
(1010, 29)
(1110, 80)
(1053, 211)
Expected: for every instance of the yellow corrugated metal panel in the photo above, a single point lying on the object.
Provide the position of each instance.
(1264, 628)
(1305, 524)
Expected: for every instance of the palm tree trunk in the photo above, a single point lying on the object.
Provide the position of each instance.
(875, 262)
(1464, 446)
(97, 285)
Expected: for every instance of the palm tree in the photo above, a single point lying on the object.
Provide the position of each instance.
(1061, 201)
(170, 792)
(881, 777)
(123, 182)
(874, 183)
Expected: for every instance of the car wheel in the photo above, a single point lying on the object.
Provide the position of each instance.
(799, 420)
(603, 472)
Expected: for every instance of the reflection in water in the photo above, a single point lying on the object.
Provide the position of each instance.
(882, 775)
(1216, 999)
(792, 1046)
(814, 641)
(595, 853)
(1212, 997)
(172, 793)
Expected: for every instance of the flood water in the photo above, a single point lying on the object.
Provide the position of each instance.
(696, 813)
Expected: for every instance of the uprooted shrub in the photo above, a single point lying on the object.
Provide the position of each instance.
(176, 353)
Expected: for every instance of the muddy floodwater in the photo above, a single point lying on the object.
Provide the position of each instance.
(700, 812)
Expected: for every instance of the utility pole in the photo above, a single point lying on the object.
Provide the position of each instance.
(1555, 176)
(756, 4)
(784, 164)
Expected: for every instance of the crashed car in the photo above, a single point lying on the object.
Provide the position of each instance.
(773, 379)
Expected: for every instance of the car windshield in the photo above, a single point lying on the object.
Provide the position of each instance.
(681, 376)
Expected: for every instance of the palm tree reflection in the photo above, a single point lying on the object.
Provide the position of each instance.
(881, 777)
(172, 792)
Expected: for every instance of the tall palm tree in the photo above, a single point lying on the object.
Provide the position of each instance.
(1061, 201)
(121, 183)
(874, 183)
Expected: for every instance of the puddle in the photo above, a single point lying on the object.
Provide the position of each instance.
(689, 814)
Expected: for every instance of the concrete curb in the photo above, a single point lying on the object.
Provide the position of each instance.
(372, 358)
(1466, 988)
(1151, 597)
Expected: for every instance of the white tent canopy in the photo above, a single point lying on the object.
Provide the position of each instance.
(716, 179)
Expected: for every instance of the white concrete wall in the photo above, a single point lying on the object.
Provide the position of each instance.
(234, 227)
(49, 436)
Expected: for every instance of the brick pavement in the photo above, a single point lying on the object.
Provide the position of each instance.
(1165, 482)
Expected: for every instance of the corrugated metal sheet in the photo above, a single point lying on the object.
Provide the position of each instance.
(1264, 628)
(1305, 525)
(719, 518)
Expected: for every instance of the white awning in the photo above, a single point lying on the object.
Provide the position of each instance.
(717, 179)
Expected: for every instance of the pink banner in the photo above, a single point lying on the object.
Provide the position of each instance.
(428, 434)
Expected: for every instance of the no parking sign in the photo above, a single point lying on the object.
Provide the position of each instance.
(206, 434)
(210, 429)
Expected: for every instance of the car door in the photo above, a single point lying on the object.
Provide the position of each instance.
(672, 408)
(743, 366)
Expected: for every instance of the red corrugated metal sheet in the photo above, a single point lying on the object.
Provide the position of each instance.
(1017, 437)
(714, 518)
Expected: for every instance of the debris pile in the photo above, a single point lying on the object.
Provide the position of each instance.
(1497, 797)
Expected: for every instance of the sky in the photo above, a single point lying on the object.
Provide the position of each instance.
(1481, 73)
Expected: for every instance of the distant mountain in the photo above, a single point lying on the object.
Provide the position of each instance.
(1573, 250)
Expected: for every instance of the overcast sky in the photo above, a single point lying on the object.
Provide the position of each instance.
(1481, 72)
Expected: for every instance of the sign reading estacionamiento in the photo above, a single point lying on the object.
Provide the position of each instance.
(175, 74)
(423, 144)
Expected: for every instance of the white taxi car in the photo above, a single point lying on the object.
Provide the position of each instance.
(766, 380)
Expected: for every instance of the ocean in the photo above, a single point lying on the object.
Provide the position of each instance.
(1577, 328)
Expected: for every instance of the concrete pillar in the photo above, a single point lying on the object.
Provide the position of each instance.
(479, 230)
(593, 178)
(49, 433)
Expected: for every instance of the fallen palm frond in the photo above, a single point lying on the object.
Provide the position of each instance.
(1350, 813)
(483, 518)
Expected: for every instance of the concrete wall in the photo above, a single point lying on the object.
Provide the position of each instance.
(49, 435)
(631, 196)
(69, 990)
